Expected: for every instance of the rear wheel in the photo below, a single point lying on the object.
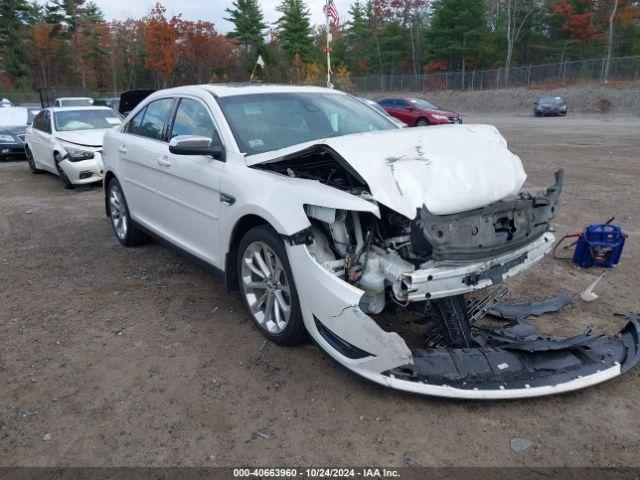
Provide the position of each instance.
(128, 233)
(422, 122)
(267, 286)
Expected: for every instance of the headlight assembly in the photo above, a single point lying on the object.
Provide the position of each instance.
(77, 155)
(7, 138)
(440, 117)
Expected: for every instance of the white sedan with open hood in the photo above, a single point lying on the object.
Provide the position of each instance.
(67, 141)
(333, 222)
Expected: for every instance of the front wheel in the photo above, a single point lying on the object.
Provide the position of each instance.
(66, 183)
(267, 286)
(31, 161)
(422, 122)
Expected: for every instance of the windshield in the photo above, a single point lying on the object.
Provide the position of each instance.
(423, 104)
(551, 100)
(86, 119)
(75, 102)
(269, 121)
(15, 116)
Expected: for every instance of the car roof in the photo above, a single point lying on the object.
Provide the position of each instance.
(67, 109)
(232, 89)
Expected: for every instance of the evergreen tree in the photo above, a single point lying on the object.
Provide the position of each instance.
(14, 57)
(294, 29)
(457, 27)
(249, 24)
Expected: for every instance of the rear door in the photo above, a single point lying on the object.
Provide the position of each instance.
(188, 188)
(141, 149)
(403, 112)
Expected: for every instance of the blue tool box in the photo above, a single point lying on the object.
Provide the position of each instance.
(600, 244)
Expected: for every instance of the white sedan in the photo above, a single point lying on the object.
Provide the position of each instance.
(333, 222)
(67, 141)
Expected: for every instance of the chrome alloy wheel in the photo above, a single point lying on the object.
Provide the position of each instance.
(266, 287)
(118, 211)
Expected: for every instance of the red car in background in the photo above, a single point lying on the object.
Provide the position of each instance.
(416, 112)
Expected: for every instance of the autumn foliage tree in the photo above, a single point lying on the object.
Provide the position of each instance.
(160, 37)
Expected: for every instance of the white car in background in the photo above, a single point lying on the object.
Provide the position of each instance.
(73, 102)
(333, 221)
(67, 141)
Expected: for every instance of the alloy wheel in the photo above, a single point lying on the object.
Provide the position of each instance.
(119, 216)
(266, 287)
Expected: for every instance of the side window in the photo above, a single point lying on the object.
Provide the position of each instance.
(401, 104)
(45, 122)
(135, 123)
(192, 118)
(154, 118)
(37, 120)
(386, 103)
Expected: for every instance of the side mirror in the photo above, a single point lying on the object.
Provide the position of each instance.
(410, 108)
(196, 145)
(535, 103)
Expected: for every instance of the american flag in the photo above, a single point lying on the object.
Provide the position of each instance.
(331, 12)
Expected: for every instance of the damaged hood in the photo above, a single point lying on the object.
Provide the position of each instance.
(89, 138)
(449, 168)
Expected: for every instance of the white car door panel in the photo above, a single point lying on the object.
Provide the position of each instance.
(188, 188)
(138, 148)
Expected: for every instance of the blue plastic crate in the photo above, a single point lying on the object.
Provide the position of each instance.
(600, 244)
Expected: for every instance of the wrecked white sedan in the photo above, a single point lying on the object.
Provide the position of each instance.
(332, 221)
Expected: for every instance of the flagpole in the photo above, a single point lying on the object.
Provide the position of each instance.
(326, 17)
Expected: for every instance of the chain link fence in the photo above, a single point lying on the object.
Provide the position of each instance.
(530, 76)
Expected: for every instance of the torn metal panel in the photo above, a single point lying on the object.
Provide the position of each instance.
(447, 169)
(485, 232)
(497, 372)
(519, 311)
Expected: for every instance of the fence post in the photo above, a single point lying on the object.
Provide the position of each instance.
(446, 81)
(365, 84)
(498, 78)
(529, 77)
(473, 79)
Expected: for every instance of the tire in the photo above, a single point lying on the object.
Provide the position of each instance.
(66, 183)
(267, 286)
(422, 122)
(31, 161)
(127, 232)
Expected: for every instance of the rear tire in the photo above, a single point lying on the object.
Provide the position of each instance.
(127, 232)
(66, 183)
(267, 287)
(422, 122)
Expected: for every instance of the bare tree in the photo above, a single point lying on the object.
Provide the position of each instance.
(612, 17)
(517, 12)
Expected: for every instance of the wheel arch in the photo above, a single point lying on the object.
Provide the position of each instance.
(241, 227)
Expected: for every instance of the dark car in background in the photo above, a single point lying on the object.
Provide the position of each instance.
(548, 105)
(417, 112)
(114, 103)
(13, 126)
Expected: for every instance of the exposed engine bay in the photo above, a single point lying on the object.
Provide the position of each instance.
(446, 269)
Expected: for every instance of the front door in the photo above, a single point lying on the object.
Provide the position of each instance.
(188, 189)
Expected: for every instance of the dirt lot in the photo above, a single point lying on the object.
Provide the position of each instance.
(114, 356)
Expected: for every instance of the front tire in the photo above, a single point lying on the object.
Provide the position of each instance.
(66, 183)
(127, 232)
(267, 286)
(422, 122)
(31, 161)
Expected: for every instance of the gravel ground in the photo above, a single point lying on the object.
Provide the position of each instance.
(114, 356)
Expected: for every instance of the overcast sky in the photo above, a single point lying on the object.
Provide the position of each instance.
(209, 10)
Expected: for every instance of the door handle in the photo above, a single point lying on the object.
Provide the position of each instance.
(122, 149)
(164, 162)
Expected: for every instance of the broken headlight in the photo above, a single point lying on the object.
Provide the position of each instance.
(77, 155)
